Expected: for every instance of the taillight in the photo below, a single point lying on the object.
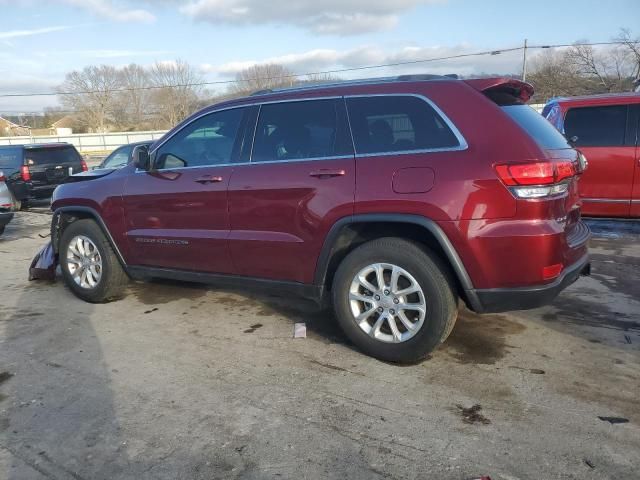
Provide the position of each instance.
(536, 179)
(83, 165)
(25, 174)
(2, 177)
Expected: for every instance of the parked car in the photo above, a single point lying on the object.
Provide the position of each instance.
(34, 171)
(606, 129)
(122, 156)
(392, 198)
(7, 204)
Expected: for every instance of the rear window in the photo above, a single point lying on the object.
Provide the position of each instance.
(395, 123)
(11, 157)
(597, 126)
(536, 126)
(50, 156)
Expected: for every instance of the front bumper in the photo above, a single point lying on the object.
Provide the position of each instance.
(5, 218)
(496, 300)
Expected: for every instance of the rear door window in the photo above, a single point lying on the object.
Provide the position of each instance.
(545, 134)
(11, 157)
(51, 156)
(310, 129)
(397, 123)
(597, 126)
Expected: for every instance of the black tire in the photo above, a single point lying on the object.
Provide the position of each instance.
(432, 276)
(113, 280)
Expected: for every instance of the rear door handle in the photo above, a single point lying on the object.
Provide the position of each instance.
(204, 179)
(328, 173)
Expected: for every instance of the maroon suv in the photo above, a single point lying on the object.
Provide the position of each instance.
(394, 198)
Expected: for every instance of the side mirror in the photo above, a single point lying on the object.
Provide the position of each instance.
(140, 157)
(572, 140)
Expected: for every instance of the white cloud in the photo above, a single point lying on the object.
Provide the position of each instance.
(107, 9)
(28, 33)
(335, 17)
(110, 10)
(105, 53)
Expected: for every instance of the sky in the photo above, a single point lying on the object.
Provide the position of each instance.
(40, 41)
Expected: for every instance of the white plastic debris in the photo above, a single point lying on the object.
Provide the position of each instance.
(300, 330)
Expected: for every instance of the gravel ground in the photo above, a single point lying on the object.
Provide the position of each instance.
(186, 381)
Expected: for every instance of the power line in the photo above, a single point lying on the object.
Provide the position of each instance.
(324, 72)
(279, 77)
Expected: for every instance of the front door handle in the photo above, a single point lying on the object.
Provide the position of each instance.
(328, 173)
(204, 179)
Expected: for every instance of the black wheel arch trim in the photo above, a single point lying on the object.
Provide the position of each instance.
(96, 216)
(460, 271)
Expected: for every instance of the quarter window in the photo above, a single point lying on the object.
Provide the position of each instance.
(207, 141)
(300, 130)
(386, 124)
(596, 126)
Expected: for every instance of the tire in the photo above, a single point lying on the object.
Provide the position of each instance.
(416, 267)
(112, 279)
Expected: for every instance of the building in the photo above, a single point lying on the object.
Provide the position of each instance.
(10, 129)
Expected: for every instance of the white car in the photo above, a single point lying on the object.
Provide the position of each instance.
(7, 204)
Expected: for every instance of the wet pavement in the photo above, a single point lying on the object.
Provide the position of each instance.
(187, 381)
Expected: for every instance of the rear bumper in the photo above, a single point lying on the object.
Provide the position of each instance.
(495, 300)
(42, 191)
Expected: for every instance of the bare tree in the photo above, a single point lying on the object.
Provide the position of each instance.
(632, 45)
(92, 93)
(609, 69)
(320, 78)
(133, 102)
(262, 77)
(177, 91)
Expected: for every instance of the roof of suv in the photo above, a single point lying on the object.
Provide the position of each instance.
(599, 99)
(515, 87)
(31, 146)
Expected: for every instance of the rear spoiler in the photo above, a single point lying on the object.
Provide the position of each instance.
(518, 89)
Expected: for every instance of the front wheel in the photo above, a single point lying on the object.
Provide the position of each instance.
(89, 265)
(394, 299)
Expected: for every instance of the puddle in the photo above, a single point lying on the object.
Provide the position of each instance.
(480, 339)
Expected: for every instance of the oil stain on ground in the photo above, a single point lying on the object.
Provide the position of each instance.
(472, 414)
(162, 292)
(480, 339)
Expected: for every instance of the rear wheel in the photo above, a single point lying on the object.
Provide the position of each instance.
(394, 299)
(89, 264)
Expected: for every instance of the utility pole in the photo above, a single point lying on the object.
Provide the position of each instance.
(524, 61)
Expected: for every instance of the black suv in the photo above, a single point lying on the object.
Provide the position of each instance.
(34, 171)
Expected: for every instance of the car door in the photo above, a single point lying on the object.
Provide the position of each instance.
(600, 133)
(300, 180)
(634, 131)
(176, 213)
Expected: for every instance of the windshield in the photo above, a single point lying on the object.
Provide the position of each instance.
(537, 126)
(118, 158)
(51, 156)
(10, 157)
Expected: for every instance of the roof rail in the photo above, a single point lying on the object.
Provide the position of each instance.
(363, 81)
